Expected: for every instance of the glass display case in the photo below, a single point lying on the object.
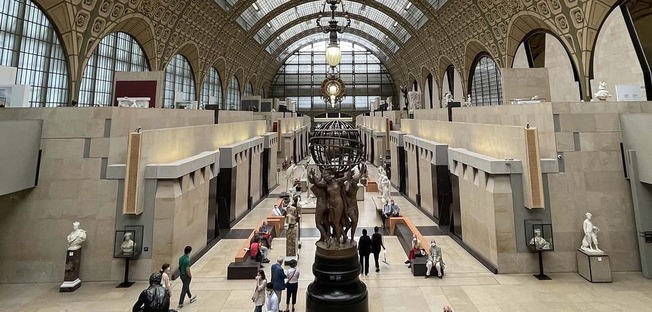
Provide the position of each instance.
(128, 243)
(538, 235)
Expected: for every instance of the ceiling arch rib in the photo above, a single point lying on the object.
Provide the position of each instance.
(313, 8)
(275, 42)
(358, 22)
(301, 39)
(295, 9)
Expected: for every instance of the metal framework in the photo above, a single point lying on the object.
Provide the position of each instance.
(300, 77)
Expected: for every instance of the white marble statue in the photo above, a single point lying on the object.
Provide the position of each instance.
(384, 188)
(590, 240)
(539, 242)
(289, 174)
(76, 237)
(448, 97)
(381, 171)
(602, 93)
(468, 101)
(389, 103)
(128, 244)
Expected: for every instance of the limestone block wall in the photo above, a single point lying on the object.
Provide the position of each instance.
(242, 183)
(425, 179)
(273, 160)
(395, 141)
(227, 116)
(380, 147)
(536, 115)
(524, 83)
(412, 181)
(440, 114)
(179, 218)
(256, 153)
(563, 87)
(76, 145)
(592, 179)
(497, 141)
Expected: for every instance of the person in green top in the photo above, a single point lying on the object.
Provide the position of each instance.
(186, 276)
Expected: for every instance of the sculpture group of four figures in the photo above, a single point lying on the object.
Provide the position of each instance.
(336, 212)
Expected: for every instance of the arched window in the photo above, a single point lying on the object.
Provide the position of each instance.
(179, 82)
(212, 89)
(262, 92)
(249, 89)
(486, 87)
(233, 94)
(118, 51)
(29, 42)
(302, 73)
(430, 83)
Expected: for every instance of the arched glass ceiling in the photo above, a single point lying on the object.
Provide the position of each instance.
(363, 27)
(436, 3)
(345, 38)
(250, 16)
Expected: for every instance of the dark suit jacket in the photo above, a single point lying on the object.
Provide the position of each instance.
(278, 277)
(364, 245)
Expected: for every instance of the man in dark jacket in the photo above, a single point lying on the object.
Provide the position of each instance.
(153, 299)
(376, 243)
(364, 248)
(278, 277)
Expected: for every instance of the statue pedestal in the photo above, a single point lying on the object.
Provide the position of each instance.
(291, 244)
(337, 286)
(71, 279)
(360, 194)
(595, 267)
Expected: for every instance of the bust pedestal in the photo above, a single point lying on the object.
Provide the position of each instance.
(71, 279)
(595, 267)
(337, 286)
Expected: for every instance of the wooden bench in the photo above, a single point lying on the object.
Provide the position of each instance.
(243, 253)
(404, 229)
(372, 186)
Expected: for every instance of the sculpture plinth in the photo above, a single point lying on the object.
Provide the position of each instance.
(337, 286)
(71, 279)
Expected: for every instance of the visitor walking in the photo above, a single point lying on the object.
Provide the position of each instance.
(364, 248)
(376, 243)
(186, 276)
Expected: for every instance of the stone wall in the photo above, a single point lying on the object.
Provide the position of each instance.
(592, 180)
(76, 144)
(425, 179)
(179, 218)
(615, 60)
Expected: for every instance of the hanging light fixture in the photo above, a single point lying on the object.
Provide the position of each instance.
(333, 52)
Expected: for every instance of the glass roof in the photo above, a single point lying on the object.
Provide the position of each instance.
(251, 16)
(345, 37)
(436, 3)
(310, 25)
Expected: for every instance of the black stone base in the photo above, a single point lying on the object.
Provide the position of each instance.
(418, 267)
(337, 286)
(242, 270)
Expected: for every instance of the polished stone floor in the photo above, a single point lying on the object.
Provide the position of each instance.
(467, 286)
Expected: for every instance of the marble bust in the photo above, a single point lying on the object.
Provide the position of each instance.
(76, 237)
(539, 242)
(128, 244)
(590, 240)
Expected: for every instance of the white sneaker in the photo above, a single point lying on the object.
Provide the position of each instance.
(193, 299)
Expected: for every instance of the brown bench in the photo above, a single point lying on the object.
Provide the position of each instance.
(404, 229)
(243, 253)
(393, 221)
(372, 186)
